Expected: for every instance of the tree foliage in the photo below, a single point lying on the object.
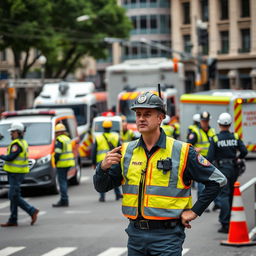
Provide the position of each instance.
(51, 28)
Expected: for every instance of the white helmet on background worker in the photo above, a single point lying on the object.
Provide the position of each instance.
(16, 126)
(166, 120)
(225, 119)
(196, 117)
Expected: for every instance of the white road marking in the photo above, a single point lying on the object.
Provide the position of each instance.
(60, 251)
(84, 179)
(4, 204)
(77, 212)
(10, 250)
(184, 251)
(114, 251)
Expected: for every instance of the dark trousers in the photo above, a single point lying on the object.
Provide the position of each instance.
(63, 182)
(155, 242)
(15, 180)
(226, 193)
(117, 193)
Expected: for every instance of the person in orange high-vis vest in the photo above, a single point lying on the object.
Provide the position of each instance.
(156, 172)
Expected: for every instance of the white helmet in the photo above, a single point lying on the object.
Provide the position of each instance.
(16, 126)
(225, 119)
(196, 117)
(166, 120)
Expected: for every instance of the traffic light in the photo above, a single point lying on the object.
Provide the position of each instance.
(202, 36)
(212, 68)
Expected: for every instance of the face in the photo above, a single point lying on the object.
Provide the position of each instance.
(148, 120)
(14, 135)
(124, 123)
(204, 124)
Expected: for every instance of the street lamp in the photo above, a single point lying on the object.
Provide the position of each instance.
(42, 60)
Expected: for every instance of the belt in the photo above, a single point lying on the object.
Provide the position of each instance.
(155, 224)
(226, 161)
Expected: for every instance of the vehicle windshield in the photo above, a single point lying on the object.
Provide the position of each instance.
(36, 134)
(80, 111)
(125, 110)
(115, 126)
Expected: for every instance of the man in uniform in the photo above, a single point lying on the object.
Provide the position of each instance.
(195, 125)
(168, 129)
(200, 138)
(223, 151)
(64, 160)
(103, 143)
(127, 134)
(16, 166)
(156, 172)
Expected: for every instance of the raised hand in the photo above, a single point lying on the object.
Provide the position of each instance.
(113, 157)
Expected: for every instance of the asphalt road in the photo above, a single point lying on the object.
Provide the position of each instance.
(91, 228)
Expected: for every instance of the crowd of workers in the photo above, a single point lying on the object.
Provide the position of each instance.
(156, 172)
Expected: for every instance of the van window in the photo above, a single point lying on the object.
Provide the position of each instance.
(80, 111)
(36, 134)
(125, 106)
(72, 127)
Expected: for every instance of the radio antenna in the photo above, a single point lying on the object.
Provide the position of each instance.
(159, 91)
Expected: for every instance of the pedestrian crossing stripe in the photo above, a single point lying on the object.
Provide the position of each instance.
(62, 251)
(10, 250)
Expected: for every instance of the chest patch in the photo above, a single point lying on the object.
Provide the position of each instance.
(203, 161)
(14, 148)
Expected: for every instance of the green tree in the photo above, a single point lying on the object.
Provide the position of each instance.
(51, 28)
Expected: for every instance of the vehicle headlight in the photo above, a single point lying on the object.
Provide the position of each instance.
(44, 160)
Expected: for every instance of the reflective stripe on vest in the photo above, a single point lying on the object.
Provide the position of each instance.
(67, 158)
(20, 163)
(202, 139)
(165, 195)
(102, 145)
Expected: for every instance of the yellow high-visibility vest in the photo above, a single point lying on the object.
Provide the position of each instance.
(168, 129)
(67, 158)
(102, 144)
(127, 136)
(20, 163)
(164, 194)
(202, 139)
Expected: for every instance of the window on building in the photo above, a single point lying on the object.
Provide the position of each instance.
(164, 23)
(143, 23)
(153, 22)
(245, 40)
(143, 3)
(224, 10)
(144, 51)
(186, 12)
(224, 42)
(187, 43)
(3, 55)
(134, 22)
(153, 3)
(164, 3)
(154, 51)
(204, 10)
(245, 8)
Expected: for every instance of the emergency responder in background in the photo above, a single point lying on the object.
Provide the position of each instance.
(16, 165)
(223, 152)
(127, 134)
(195, 125)
(103, 143)
(156, 172)
(175, 123)
(200, 138)
(64, 160)
(168, 129)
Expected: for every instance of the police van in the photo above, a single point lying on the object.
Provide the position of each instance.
(40, 135)
(82, 98)
(240, 104)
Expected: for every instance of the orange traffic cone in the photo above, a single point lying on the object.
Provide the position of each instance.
(238, 230)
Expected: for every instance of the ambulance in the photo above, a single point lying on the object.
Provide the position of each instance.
(143, 73)
(241, 104)
(127, 97)
(82, 98)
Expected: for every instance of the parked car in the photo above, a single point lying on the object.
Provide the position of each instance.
(40, 135)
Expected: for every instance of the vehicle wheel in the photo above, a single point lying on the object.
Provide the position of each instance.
(76, 179)
(55, 188)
